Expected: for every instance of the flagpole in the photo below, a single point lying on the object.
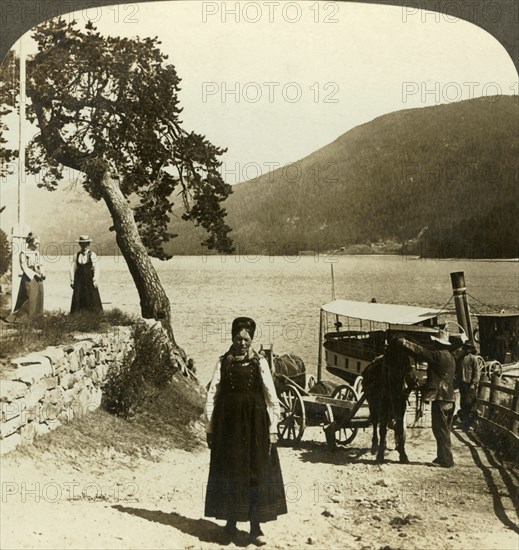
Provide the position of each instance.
(19, 230)
(21, 140)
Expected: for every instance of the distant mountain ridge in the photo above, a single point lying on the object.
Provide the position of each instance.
(60, 216)
(437, 181)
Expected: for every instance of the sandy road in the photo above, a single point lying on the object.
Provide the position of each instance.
(336, 500)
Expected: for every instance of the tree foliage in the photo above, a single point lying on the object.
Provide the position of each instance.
(110, 103)
(5, 254)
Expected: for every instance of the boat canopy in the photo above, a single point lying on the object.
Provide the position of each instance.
(381, 313)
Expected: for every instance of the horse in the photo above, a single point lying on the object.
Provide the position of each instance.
(371, 382)
(388, 381)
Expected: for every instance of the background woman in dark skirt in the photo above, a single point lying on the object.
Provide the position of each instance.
(29, 302)
(242, 410)
(84, 278)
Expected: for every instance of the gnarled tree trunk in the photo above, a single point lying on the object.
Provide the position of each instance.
(153, 300)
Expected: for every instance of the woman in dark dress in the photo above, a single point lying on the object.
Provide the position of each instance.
(242, 411)
(84, 278)
(29, 302)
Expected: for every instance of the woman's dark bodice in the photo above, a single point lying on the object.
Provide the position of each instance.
(87, 265)
(241, 376)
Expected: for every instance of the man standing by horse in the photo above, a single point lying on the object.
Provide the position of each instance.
(439, 389)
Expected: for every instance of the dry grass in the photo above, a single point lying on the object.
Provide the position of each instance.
(54, 328)
(168, 420)
(170, 406)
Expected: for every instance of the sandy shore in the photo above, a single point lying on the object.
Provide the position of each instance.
(336, 500)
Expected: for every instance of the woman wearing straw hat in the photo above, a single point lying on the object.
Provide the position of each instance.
(84, 278)
(30, 296)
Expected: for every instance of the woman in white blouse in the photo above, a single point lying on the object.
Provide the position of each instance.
(242, 412)
(29, 302)
(84, 278)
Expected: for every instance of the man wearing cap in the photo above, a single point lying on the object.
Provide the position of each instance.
(439, 388)
(467, 374)
(84, 278)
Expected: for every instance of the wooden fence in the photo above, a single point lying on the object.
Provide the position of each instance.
(498, 407)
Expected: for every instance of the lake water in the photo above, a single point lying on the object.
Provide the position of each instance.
(284, 295)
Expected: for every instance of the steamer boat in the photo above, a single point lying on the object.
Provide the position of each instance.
(354, 333)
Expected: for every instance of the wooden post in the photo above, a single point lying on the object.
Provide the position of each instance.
(493, 394)
(320, 350)
(515, 407)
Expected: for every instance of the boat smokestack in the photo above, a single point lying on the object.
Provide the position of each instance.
(461, 302)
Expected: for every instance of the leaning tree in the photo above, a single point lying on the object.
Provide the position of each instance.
(109, 108)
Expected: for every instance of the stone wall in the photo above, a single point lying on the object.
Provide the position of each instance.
(45, 389)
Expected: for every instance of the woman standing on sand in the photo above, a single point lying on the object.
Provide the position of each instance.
(30, 296)
(242, 411)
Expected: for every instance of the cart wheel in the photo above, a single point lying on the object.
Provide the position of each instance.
(293, 417)
(481, 364)
(358, 386)
(311, 382)
(494, 367)
(344, 436)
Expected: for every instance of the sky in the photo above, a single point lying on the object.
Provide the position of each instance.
(274, 81)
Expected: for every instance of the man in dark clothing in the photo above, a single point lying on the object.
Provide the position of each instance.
(468, 379)
(439, 388)
(514, 347)
(501, 348)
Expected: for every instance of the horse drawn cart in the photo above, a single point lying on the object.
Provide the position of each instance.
(354, 344)
(305, 402)
(353, 338)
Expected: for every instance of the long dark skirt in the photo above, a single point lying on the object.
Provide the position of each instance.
(29, 302)
(85, 296)
(245, 481)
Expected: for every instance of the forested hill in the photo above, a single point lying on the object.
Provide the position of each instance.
(443, 180)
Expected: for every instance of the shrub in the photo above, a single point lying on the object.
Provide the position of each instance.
(145, 370)
(5, 253)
